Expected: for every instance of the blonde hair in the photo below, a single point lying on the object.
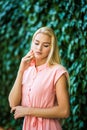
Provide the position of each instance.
(53, 57)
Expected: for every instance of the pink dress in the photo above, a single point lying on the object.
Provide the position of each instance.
(39, 91)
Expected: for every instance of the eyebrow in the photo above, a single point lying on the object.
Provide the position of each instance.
(43, 42)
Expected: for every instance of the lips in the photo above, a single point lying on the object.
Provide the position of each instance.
(38, 53)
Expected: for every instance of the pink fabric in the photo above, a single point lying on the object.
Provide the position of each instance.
(39, 91)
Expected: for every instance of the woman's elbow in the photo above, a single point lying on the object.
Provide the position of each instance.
(67, 113)
(11, 103)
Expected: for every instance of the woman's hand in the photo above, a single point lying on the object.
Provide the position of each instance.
(19, 111)
(26, 60)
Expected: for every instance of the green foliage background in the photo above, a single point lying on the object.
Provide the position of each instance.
(19, 19)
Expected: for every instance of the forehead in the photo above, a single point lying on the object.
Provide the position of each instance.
(42, 37)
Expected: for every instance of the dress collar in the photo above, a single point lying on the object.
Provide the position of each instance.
(41, 67)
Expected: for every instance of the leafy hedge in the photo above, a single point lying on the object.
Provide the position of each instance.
(18, 21)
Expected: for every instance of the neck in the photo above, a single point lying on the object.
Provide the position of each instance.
(38, 62)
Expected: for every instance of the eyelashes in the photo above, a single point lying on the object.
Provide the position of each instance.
(36, 43)
(45, 45)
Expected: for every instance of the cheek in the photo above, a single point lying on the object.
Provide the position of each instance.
(47, 51)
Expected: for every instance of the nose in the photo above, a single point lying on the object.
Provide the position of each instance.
(39, 47)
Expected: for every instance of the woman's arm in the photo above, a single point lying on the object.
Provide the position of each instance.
(62, 110)
(16, 91)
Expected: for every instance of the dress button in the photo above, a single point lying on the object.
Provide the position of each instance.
(29, 89)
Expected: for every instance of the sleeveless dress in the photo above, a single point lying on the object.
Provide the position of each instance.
(38, 90)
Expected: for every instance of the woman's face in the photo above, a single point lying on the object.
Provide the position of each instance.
(41, 46)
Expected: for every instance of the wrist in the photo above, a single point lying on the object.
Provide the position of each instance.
(20, 71)
(29, 111)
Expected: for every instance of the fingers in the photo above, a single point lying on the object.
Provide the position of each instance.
(29, 53)
(13, 109)
(29, 56)
(17, 112)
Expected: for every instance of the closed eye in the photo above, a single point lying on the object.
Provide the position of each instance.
(36, 43)
(46, 45)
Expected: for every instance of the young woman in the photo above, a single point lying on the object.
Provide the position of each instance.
(40, 92)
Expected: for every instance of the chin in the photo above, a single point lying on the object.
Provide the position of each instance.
(37, 56)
